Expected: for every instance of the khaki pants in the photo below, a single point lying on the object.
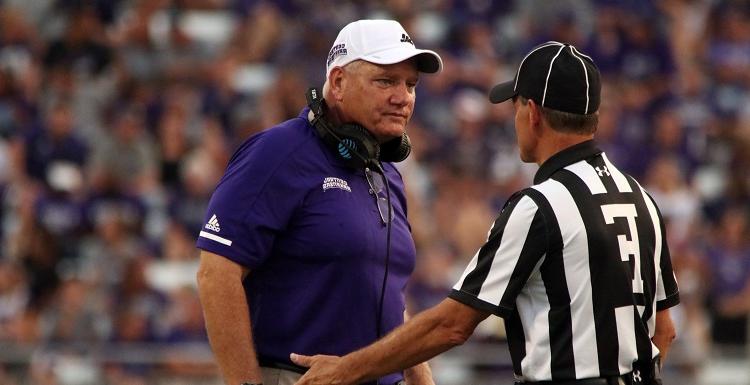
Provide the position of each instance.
(272, 376)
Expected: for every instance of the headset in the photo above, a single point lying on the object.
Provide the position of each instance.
(359, 149)
(352, 142)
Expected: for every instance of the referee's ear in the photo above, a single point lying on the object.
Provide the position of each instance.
(535, 117)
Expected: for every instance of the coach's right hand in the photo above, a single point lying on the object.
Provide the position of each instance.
(324, 370)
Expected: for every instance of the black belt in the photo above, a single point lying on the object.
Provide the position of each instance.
(625, 379)
(644, 373)
(266, 363)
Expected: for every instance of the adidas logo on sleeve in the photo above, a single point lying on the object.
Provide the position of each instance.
(213, 224)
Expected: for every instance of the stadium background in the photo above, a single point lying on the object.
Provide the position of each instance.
(117, 118)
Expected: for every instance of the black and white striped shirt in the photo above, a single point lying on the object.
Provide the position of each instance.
(577, 265)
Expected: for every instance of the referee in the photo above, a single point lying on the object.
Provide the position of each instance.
(577, 264)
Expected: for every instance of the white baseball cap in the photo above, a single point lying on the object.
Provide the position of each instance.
(379, 42)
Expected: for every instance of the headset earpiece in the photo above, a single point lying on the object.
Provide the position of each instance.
(395, 150)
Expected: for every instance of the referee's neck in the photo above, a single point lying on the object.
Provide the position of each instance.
(551, 142)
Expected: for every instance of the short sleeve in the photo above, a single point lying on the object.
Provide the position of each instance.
(499, 270)
(253, 202)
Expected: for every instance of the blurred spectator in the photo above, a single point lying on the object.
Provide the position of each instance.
(126, 159)
(52, 144)
(185, 326)
(77, 317)
(693, 347)
(199, 174)
(178, 264)
(646, 55)
(80, 51)
(694, 112)
(606, 44)
(728, 47)
(432, 277)
(105, 254)
(219, 96)
(132, 327)
(728, 259)
(258, 34)
(185, 317)
(109, 202)
(14, 295)
(138, 309)
(670, 137)
(173, 133)
(469, 151)
(678, 204)
(135, 295)
(59, 209)
(36, 249)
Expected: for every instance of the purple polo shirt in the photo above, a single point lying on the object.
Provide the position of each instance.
(310, 232)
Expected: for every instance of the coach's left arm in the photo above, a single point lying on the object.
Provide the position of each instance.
(428, 334)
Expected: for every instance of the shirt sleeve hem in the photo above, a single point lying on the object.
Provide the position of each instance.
(224, 252)
(472, 301)
(668, 302)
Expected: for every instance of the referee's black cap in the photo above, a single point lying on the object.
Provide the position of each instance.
(557, 76)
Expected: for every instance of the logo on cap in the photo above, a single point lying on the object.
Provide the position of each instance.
(336, 51)
(406, 39)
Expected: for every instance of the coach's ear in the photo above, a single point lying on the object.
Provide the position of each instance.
(336, 83)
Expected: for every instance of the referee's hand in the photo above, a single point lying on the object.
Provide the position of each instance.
(324, 370)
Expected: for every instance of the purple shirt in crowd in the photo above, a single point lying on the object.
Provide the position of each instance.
(310, 232)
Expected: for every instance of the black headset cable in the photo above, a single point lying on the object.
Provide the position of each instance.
(387, 247)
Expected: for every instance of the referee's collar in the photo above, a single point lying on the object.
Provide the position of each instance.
(564, 158)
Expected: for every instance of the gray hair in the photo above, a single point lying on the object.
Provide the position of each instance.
(352, 67)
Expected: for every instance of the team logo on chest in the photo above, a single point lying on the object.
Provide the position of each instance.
(333, 182)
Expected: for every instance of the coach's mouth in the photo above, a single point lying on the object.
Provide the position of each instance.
(398, 115)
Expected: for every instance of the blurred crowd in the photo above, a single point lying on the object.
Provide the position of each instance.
(117, 118)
